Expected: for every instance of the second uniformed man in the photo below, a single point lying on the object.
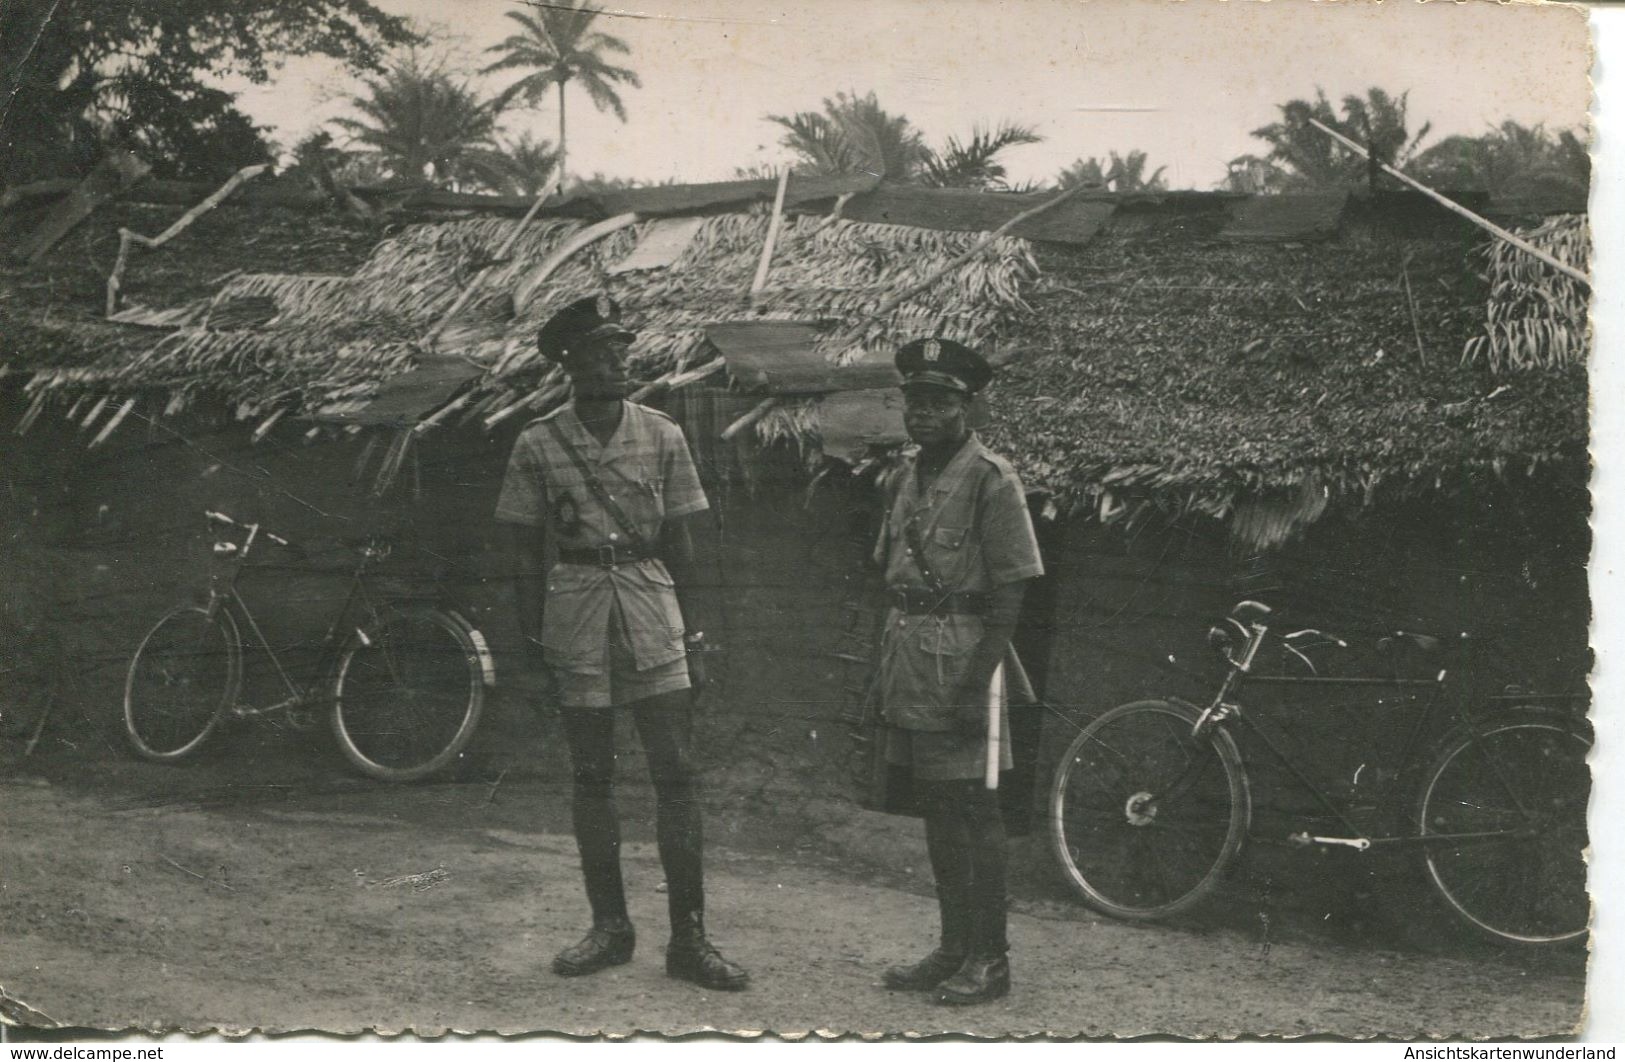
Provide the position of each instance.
(957, 549)
(595, 494)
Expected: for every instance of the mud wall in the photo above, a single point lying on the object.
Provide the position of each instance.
(104, 540)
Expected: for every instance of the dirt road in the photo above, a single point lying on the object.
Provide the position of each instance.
(145, 898)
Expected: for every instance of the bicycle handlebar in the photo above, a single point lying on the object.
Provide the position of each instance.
(253, 529)
(1247, 621)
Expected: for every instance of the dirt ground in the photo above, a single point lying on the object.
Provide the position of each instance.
(268, 888)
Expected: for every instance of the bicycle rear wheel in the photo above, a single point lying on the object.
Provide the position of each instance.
(1520, 785)
(1144, 820)
(408, 696)
(183, 677)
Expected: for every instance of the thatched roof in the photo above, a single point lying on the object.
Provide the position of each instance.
(322, 344)
(1238, 356)
(1259, 383)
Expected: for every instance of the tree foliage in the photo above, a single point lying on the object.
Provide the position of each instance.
(556, 45)
(527, 164)
(975, 162)
(1120, 173)
(855, 134)
(79, 76)
(1510, 161)
(1302, 158)
(424, 123)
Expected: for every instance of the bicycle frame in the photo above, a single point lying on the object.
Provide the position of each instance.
(1223, 709)
(223, 593)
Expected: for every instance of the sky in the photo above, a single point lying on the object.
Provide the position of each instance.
(1183, 80)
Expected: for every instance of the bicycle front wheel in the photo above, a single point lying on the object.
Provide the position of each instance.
(408, 695)
(182, 679)
(1144, 819)
(1515, 795)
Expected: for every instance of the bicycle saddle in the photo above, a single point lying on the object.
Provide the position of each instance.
(1427, 643)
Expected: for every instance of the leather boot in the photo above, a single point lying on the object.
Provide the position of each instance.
(691, 957)
(982, 979)
(608, 943)
(949, 954)
(985, 976)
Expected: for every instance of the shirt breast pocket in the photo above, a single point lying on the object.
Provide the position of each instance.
(949, 537)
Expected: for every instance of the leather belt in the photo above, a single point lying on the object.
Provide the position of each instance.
(603, 556)
(917, 601)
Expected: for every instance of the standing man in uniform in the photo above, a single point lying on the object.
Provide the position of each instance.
(595, 497)
(957, 549)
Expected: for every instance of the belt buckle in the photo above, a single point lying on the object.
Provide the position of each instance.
(606, 557)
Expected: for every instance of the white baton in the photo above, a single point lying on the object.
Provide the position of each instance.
(995, 687)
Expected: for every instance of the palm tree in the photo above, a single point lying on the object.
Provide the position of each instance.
(855, 134)
(1511, 160)
(974, 164)
(1124, 173)
(419, 123)
(557, 44)
(529, 163)
(1308, 158)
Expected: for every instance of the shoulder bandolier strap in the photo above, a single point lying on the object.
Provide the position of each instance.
(596, 485)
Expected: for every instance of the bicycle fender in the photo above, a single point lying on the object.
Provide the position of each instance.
(482, 648)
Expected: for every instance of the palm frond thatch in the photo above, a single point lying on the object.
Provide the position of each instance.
(1536, 317)
(327, 343)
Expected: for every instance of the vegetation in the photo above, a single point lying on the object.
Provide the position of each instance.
(1122, 173)
(1510, 161)
(80, 76)
(557, 45)
(422, 123)
(855, 134)
(1536, 317)
(1302, 158)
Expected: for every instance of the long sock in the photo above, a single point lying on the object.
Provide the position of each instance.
(591, 736)
(664, 724)
(947, 844)
(988, 855)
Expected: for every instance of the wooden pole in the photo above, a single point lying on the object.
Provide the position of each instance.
(937, 274)
(760, 410)
(502, 252)
(112, 176)
(766, 260)
(912, 290)
(126, 237)
(677, 378)
(525, 290)
(1456, 208)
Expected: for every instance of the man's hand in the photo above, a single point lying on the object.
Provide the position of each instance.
(697, 677)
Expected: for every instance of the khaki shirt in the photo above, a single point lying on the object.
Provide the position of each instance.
(646, 468)
(977, 535)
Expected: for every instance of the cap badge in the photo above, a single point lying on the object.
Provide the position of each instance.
(932, 350)
(603, 307)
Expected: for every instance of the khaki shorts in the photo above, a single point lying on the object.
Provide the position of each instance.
(945, 755)
(622, 683)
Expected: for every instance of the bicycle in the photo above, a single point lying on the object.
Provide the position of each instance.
(1152, 803)
(406, 681)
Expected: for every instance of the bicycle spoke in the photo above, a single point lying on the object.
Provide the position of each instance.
(1527, 778)
(407, 697)
(1145, 816)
